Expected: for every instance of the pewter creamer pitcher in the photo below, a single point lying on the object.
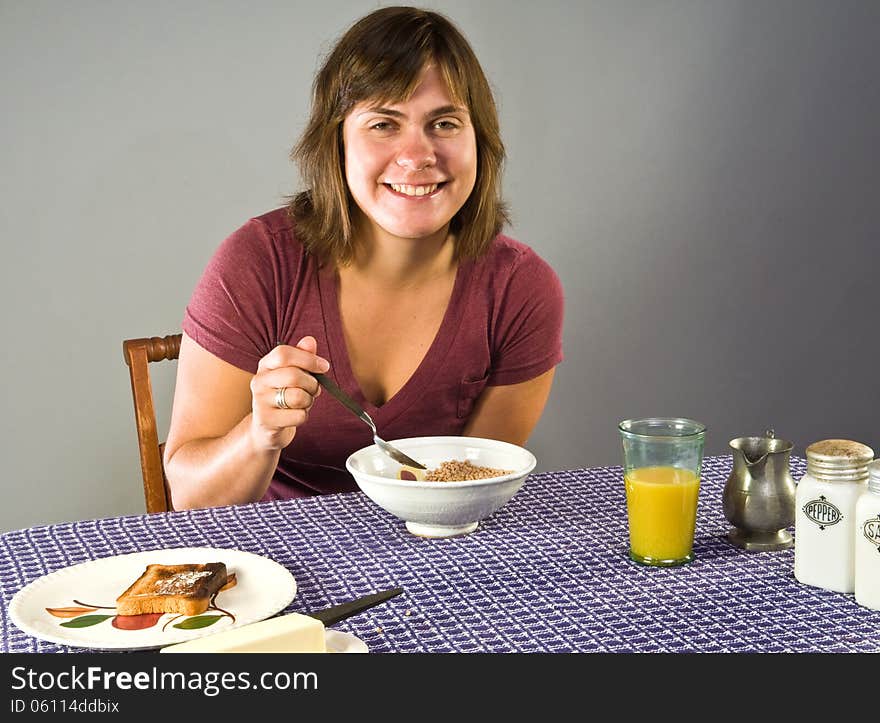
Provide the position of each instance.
(759, 495)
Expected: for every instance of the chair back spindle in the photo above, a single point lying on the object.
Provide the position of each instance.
(138, 355)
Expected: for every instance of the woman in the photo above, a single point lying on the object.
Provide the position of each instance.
(389, 274)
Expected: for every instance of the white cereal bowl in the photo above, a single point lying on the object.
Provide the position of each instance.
(441, 509)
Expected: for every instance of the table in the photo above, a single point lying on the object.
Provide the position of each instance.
(548, 573)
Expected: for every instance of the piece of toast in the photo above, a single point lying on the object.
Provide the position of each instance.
(183, 589)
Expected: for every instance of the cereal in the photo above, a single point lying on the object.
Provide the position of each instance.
(458, 471)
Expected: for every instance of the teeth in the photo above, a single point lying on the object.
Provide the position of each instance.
(414, 190)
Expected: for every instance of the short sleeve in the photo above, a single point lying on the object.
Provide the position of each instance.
(528, 330)
(232, 310)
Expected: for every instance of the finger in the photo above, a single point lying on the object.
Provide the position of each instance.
(293, 397)
(309, 344)
(285, 355)
(272, 379)
(280, 419)
(269, 415)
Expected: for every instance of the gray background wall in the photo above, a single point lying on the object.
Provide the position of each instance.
(702, 173)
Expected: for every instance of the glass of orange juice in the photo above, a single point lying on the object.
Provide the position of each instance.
(662, 459)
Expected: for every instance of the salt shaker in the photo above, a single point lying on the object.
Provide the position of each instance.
(867, 541)
(825, 513)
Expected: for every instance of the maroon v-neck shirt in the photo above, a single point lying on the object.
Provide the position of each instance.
(503, 325)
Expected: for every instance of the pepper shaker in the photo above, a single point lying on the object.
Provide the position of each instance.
(825, 514)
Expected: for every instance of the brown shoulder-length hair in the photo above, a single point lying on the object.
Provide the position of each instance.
(381, 57)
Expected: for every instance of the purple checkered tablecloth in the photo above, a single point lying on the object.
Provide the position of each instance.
(548, 572)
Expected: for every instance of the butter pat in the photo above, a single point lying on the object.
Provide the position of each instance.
(413, 474)
(291, 633)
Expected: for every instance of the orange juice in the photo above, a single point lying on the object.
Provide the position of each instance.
(661, 503)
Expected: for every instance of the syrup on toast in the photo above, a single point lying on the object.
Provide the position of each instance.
(183, 589)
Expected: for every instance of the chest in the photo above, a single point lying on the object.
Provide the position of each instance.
(388, 334)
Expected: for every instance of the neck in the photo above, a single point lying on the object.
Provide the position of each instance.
(400, 263)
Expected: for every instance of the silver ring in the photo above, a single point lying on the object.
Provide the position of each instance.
(280, 401)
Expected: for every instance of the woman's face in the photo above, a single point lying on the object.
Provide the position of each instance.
(411, 166)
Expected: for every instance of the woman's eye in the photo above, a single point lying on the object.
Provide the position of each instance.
(446, 125)
(382, 126)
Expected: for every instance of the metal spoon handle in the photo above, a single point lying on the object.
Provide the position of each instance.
(346, 400)
(353, 406)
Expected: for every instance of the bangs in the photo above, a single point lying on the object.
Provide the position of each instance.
(392, 74)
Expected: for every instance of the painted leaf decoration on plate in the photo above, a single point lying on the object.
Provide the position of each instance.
(70, 612)
(85, 621)
(136, 622)
(202, 621)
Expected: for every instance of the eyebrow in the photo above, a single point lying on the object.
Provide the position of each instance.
(442, 110)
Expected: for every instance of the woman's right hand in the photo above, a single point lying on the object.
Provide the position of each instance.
(285, 367)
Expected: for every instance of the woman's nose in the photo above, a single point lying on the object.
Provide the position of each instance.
(416, 152)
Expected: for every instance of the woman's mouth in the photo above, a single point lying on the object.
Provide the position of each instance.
(410, 191)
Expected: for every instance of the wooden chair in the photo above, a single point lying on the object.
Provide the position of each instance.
(138, 354)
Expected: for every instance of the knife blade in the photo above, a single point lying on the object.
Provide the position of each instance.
(332, 615)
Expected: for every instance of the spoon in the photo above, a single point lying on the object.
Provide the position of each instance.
(358, 411)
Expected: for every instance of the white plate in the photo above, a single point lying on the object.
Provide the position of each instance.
(339, 642)
(263, 588)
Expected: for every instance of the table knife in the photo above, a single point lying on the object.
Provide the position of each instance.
(332, 615)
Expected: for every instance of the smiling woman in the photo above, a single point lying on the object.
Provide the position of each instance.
(389, 272)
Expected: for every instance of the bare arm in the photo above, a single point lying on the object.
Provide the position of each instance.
(510, 412)
(226, 433)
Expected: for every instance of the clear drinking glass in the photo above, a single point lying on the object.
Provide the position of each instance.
(662, 460)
